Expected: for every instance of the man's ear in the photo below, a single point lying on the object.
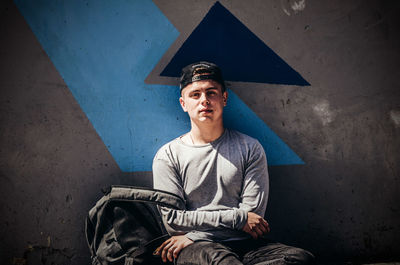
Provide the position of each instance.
(225, 97)
(182, 102)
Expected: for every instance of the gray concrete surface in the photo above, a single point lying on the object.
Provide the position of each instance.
(343, 204)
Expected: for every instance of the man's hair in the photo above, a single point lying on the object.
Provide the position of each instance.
(201, 71)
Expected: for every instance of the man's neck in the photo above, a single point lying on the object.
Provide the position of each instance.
(206, 133)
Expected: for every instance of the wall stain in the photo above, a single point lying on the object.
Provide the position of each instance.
(395, 117)
(44, 255)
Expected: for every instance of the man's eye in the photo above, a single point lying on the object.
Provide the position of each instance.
(195, 95)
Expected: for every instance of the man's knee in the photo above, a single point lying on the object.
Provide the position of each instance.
(279, 254)
(299, 256)
(204, 252)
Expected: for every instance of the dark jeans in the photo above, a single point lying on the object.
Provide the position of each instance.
(251, 252)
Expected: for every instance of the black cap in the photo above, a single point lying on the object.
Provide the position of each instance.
(201, 71)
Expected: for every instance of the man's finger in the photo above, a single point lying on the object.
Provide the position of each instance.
(177, 251)
(170, 253)
(165, 251)
(164, 255)
(263, 228)
(268, 228)
(253, 234)
(258, 231)
(266, 225)
(165, 242)
(158, 250)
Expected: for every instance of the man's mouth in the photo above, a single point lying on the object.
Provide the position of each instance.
(206, 111)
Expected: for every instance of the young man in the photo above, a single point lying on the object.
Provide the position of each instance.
(222, 176)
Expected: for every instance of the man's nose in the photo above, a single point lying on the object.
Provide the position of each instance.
(204, 99)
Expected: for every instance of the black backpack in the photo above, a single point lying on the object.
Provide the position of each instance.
(125, 226)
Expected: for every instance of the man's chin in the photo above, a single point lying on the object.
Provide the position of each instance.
(205, 119)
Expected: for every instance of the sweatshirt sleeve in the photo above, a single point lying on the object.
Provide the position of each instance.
(255, 189)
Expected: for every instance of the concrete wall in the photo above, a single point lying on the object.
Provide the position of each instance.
(342, 203)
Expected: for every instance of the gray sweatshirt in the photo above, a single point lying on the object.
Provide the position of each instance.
(220, 182)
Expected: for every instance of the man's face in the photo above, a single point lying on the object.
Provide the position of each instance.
(204, 101)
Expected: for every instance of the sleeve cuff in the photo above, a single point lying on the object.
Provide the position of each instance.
(199, 236)
(241, 219)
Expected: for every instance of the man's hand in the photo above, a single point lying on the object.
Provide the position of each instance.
(256, 226)
(171, 247)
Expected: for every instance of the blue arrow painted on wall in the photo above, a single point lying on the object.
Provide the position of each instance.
(104, 50)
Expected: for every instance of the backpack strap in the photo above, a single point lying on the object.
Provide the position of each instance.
(149, 247)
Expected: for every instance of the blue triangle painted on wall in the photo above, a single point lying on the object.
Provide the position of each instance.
(221, 38)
